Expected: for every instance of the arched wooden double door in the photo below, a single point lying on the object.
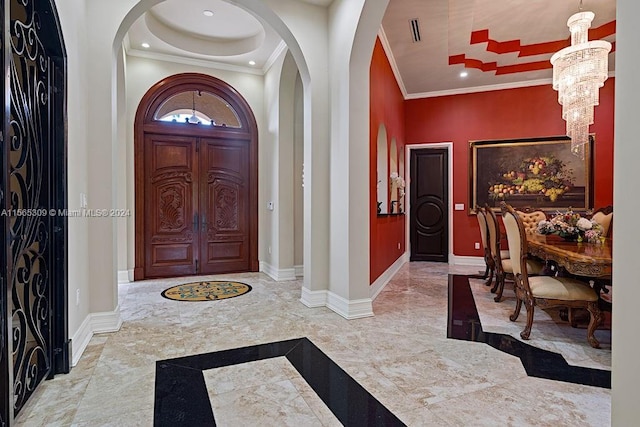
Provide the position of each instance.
(196, 179)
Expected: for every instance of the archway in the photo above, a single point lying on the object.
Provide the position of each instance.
(195, 180)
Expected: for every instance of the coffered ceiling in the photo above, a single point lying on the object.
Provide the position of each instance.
(430, 42)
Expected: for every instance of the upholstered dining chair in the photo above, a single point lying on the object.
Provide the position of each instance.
(501, 257)
(484, 238)
(544, 291)
(530, 219)
(604, 217)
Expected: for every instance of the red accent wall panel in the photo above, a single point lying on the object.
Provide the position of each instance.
(387, 106)
(505, 114)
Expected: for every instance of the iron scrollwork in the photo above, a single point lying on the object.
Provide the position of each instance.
(28, 191)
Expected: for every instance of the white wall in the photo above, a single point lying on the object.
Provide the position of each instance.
(625, 365)
(74, 30)
(298, 155)
(353, 25)
(279, 107)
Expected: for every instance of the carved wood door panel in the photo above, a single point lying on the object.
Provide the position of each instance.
(196, 212)
(224, 200)
(171, 215)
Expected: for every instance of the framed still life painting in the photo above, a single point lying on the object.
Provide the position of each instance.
(540, 173)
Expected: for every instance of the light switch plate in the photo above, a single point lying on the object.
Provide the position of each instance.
(459, 206)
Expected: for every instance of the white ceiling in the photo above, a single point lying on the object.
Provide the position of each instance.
(178, 30)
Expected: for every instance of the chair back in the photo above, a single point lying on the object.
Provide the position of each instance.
(604, 217)
(494, 233)
(482, 223)
(530, 219)
(517, 239)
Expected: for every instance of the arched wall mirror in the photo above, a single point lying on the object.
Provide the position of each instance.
(382, 171)
(393, 176)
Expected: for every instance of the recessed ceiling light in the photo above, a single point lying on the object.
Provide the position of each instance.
(464, 74)
(207, 12)
(252, 62)
(145, 45)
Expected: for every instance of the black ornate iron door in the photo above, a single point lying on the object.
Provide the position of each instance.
(34, 185)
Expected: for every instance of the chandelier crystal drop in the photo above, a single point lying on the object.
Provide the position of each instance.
(579, 71)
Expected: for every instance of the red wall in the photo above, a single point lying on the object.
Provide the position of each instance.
(387, 106)
(504, 114)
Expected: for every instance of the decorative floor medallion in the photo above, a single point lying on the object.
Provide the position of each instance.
(206, 291)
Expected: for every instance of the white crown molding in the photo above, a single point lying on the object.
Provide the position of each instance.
(476, 89)
(379, 284)
(487, 88)
(282, 46)
(392, 61)
(192, 61)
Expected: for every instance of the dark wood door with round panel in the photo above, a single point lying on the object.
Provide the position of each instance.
(429, 228)
(196, 180)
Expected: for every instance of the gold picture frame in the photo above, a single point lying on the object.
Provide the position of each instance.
(540, 173)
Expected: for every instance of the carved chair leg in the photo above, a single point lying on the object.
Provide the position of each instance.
(486, 272)
(488, 282)
(516, 312)
(529, 306)
(500, 289)
(594, 320)
(499, 277)
(572, 318)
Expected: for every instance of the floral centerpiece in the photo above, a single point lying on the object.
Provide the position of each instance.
(571, 226)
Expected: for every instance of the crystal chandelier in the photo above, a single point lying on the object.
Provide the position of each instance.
(578, 72)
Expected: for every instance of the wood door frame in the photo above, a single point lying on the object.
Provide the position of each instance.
(144, 123)
(407, 165)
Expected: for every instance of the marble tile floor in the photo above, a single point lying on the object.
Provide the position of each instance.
(401, 356)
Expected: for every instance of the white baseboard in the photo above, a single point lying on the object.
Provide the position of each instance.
(299, 269)
(313, 299)
(80, 340)
(94, 323)
(378, 285)
(279, 275)
(476, 261)
(350, 309)
(125, 276)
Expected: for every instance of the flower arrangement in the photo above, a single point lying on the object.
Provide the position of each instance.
(397, 181)
(571, 226)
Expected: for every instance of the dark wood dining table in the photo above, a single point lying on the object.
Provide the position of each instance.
(580, 258)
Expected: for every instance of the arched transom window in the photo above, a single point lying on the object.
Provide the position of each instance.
(198, 107)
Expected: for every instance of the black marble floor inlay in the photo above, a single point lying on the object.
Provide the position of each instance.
(181, 397)
(463, 323)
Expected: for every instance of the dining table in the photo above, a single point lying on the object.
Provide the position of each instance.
(587, 259)
(592, 261)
